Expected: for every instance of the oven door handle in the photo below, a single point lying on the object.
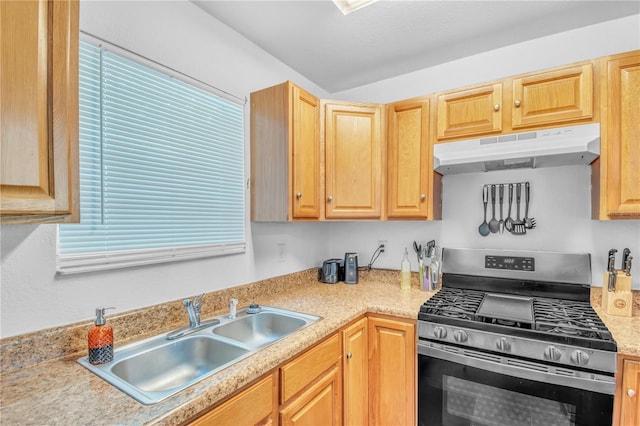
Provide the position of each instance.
(524, 370)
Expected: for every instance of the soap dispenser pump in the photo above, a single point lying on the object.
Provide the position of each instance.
(100, 340)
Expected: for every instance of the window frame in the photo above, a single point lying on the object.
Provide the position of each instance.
(80, 262)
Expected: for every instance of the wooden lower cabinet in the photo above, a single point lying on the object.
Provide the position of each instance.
(392, 371)
(364, 374)
(319, 404)
(311, 386)
(355, 373)
(252, 406)
(627, 408)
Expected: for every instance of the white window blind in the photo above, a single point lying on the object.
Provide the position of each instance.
(161, 169)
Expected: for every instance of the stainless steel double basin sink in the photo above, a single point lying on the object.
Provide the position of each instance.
(156, 368)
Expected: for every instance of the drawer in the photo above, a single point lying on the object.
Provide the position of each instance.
(300, 372)
(254, 405)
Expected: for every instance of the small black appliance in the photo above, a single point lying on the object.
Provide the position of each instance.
(331, 271)
(351, 268)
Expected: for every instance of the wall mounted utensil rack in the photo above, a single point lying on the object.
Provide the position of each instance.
(518, 225)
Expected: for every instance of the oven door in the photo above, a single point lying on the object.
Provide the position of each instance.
(464, 387)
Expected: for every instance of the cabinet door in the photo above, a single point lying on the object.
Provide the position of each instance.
(408, 160)
(553, 96)
(304, 369)
(470, 112)
(630, 393)
(353, 161)
(305, 153)
(392, 372)
(320, 404)
(39, 104)
(256, 405)
(355, 374)
(620, 144)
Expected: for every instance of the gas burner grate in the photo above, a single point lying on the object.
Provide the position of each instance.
(571, 318)
(454, 303)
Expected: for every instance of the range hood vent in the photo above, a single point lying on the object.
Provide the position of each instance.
(564, 146)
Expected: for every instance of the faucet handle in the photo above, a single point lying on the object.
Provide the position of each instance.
(197, 301)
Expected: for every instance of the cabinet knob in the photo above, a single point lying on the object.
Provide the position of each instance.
(299, 195)
(423, 197)
(349, 355)
(329, 198)
(631, 393)
(517, 103)
(496, 107)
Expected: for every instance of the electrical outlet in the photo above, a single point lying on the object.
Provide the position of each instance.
(384, 245)
(282, 251)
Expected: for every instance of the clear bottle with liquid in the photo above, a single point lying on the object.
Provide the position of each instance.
(405, 271)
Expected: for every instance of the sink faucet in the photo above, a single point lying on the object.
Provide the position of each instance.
(193, 309)
(232, 308)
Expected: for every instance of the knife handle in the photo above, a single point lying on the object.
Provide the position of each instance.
(612, 260)
(612, 280)
(625, 254)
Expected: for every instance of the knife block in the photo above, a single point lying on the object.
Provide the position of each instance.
(619, 302)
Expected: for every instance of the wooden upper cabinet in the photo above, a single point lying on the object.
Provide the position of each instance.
(556, 96)
(285, 154)
(408, 160)
(306, 154)
(353, 161)
(39, 111)
(619, 185)
(470, 112)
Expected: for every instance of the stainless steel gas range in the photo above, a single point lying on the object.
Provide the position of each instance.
(511, 339)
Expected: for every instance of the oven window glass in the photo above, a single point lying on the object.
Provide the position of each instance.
(487, 405)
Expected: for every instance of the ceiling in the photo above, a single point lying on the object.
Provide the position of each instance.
(390, 38)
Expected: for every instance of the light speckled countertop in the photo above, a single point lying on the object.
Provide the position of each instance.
(36, 390)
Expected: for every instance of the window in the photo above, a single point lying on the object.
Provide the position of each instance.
(161, 168)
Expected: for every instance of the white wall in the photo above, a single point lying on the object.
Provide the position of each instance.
(620, 35)
(179, 35)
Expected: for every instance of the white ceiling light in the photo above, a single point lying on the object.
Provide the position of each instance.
(348, 6)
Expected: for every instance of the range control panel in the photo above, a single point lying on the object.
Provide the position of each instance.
(510, 263)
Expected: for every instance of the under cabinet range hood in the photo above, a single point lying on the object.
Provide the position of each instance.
(563, 146)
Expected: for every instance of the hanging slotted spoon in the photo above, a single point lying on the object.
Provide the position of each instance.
(518, 224)
(508, 223)
(494, 225)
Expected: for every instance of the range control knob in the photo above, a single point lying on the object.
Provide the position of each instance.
(440, 332)
(460, 336)
(580, 358)
(551, 353)
(503, 344)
